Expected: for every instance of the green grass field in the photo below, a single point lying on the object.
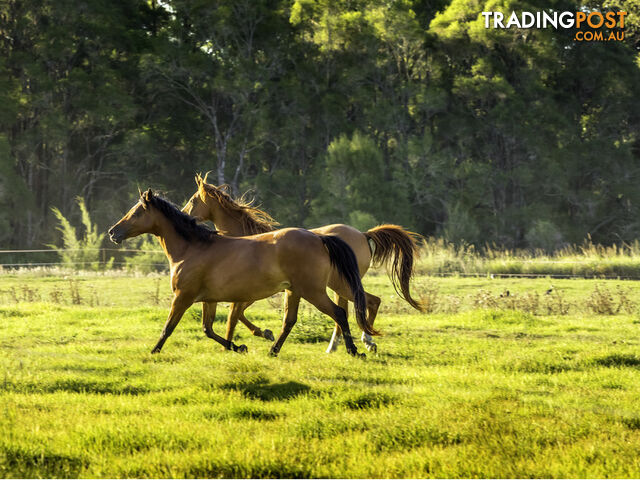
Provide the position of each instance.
(519, 385)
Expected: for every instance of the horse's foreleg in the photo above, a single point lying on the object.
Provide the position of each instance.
(373, 303)
(178, 307)
(208, 315)
(291, 303)
(235, 309)
(337, 331)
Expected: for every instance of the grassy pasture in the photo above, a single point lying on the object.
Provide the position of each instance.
(485, 386)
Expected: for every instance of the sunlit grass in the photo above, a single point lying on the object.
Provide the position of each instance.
(484, 392)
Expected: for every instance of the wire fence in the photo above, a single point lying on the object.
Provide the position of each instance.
(106, 254)
(559, 276)
(109, 260)
(51, 250)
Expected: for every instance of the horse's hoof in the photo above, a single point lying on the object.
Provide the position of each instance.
(273, 353)
(268, 334)
(354, 353)
(154, 351)
(372, 347)
(242, 349)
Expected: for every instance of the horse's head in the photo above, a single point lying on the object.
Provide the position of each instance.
(140, 219)
(204, 202)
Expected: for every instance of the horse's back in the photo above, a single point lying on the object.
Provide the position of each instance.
(300, 253)
(354, 238)
(291, 249)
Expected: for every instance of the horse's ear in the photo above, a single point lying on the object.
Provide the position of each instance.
(198, 179)
(146, 197)
(206, 175)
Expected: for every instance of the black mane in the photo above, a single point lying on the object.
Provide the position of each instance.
(186, 225)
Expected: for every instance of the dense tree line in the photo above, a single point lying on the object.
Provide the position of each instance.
(363, 112)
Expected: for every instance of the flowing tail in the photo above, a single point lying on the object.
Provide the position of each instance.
(344, 261)
(397, 248)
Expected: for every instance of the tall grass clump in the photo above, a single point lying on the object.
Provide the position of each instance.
(440, 256)
(79, 252)
(583, 260)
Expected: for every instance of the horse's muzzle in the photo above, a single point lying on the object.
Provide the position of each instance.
(116, 235)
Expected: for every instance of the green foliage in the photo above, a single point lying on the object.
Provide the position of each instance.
(151, 258)
(331, 111)
(460, 226)
(357, 185)
(15, 199)
(80, 251)
(545, 235)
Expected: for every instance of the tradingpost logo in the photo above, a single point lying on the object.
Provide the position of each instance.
(590, 26)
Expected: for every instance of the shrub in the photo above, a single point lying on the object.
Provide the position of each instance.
(79, 253)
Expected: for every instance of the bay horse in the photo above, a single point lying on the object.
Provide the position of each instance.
(384, 244)
(208, 267)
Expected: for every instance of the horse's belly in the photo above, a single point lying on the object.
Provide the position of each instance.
(247, 291)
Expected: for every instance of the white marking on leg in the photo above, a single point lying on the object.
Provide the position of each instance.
(368, 342)
(333, 343)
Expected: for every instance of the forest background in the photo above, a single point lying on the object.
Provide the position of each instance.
(362, 112)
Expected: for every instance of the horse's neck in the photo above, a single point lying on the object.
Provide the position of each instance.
(172, 243)
(229, 222)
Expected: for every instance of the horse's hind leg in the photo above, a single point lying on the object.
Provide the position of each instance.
(291, 303)
(237, 313)
(373, 303)
(323, 303)
(208, 315)
(337, 331)
(256, 331)
(178, 307)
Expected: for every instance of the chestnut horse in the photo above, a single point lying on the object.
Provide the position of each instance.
(208, 267)
(384, 244)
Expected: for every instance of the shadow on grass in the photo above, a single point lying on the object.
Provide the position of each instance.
(242, 413)
(78, 386)
(30, 462)
(632, 423)
(11, 312)
(368, 400)
(222, 468)
(261, 389)
(407, 437)
(617, 360)
(549, 367)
